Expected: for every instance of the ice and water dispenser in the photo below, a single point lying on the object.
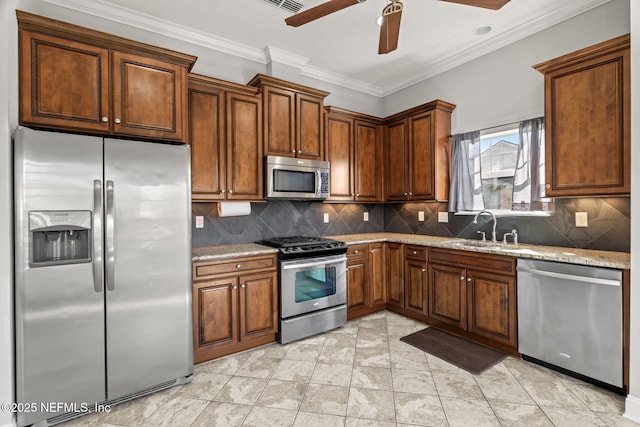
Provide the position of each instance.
(59, 237)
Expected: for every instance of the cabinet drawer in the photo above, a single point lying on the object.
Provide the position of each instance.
(233, 265)
(357, 251)
(475, 260)
(416, 252)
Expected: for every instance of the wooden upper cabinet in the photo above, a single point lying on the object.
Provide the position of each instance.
(354, 150)
(588, 121)
(244, 147)
(417, 153)
(293, 118)
(208, 138)
(76, 79)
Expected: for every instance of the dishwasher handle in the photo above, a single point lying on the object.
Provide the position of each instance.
(593, 280)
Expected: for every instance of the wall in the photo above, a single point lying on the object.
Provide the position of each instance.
(632, 407)
(609, 224)
(7, 51)
(284, 218)
(502, 87)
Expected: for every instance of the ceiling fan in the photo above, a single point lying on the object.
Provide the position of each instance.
(391, 14)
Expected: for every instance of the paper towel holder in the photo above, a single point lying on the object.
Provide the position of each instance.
(226, 209)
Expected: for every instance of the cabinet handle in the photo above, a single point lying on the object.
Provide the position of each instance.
(355, 252)
(117, 121)
(357, 195)
(424, 270)
(547, 186)
(468, 279)
(243, 286)
(293, 151)
(222, 191)
(411, 194)
(235, 287)
(238, 265)
(230, 191)
(461, 277)
(105, 119)
(372, 251)
(414, 252)
(405, 194)
(299, 151)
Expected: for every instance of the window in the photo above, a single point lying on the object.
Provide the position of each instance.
(500, 169)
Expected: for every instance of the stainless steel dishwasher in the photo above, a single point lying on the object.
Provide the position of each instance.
(570, 316)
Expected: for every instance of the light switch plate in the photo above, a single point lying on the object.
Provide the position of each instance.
(199, 221)
(421, 216)
(365, 216)
(582, 219)
(443, 216)
(325, 218)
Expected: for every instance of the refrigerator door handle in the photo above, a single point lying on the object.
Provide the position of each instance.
(109, 238)
(97, 236)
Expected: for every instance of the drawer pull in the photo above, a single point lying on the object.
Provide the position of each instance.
(238, 265)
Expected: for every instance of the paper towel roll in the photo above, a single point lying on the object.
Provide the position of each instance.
(234, 209)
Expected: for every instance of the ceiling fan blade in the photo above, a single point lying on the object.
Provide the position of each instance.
(390, 28)
(319, 11)
(487, 4)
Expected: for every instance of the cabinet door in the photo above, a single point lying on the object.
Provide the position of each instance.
(367, 163)
(63, 83)
(340, 156)
(415, 276)
(279, 126)
(587, 119)
(396, 170)
(309, 124)
(377, 287)
(421, 146)
(259, 305)
(207, 139)
(244, 147)
(491, 303)
(357, 282)
(447, 296)
(149, 97)
(215, 304)
(395, 276)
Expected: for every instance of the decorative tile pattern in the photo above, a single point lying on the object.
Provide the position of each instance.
(609, 222)
(389, 384)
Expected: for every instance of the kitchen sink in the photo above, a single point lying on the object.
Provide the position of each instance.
(492, 246)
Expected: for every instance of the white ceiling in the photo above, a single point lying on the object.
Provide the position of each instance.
(341, 48)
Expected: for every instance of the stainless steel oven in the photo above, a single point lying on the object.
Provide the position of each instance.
(313, 285)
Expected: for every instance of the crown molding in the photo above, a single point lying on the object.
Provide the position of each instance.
(144, 22)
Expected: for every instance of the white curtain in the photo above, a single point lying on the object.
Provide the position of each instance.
(465, 192)
(528, 182)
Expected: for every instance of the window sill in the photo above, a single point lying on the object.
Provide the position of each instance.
(506, 213)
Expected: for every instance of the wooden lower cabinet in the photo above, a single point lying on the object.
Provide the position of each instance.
(474, 295)
(235, 305)
(366, 287)
(415, 280)
(394, 255)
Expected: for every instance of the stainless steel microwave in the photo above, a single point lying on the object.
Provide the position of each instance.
(296, 179)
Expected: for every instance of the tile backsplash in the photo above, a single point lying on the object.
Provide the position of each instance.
(609, 222)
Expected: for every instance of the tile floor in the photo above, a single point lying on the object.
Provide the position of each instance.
(363, 375)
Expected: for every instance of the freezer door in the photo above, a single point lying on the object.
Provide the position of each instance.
(148, 265)
(59, 305)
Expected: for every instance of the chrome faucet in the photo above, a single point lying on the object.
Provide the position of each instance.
(495, 222)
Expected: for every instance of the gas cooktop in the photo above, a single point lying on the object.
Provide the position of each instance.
(304, 246)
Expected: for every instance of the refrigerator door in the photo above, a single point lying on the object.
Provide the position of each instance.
(148, 265)
(60, 355)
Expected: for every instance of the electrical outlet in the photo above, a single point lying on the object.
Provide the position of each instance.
(582, 219)
(443, 216)
(365, 216)
(199, 221)
(421, 216)
(325, 218)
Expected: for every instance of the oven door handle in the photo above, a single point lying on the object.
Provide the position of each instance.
(323, 261)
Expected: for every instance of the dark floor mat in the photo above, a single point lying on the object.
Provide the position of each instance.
(465, 354)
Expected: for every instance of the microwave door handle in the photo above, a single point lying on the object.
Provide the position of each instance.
(318, 182)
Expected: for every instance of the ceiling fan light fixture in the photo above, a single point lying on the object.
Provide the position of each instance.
(482, 30)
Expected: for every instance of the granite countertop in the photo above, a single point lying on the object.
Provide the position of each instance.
(610, 259)
(618, 260)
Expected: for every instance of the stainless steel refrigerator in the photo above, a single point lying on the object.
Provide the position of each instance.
(102, 271)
